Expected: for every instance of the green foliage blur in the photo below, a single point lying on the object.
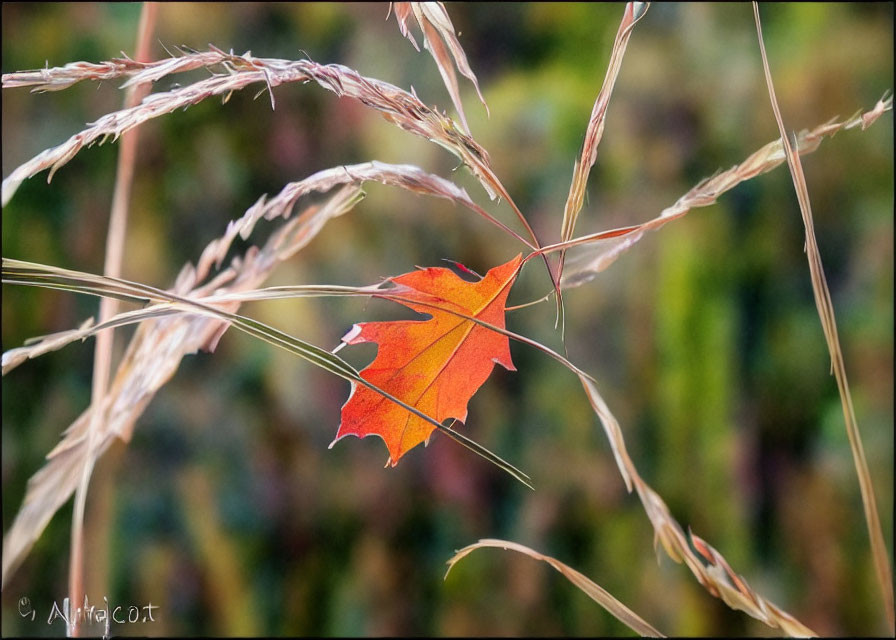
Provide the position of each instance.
(228, 511)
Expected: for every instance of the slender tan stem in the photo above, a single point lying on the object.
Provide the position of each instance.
(829, 326)
(102, 358)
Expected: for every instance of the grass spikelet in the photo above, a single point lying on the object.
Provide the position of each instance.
(634, 11)
(596, 251)
(438, 32)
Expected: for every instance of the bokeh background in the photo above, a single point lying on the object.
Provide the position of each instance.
(228, 511)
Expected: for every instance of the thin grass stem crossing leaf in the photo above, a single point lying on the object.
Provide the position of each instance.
(433, 365)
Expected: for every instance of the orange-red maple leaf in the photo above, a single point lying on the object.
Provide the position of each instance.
(433, 365)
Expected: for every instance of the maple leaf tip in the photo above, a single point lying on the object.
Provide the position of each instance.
(509, 366)
(352, 334)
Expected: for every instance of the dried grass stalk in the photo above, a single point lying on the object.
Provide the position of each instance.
(713, 572)
(20, 272)
(595, 252)
(404, 176)
(593, 590)
(59, 78)
(102, 355)
(152, 357)
(829, 325)
(403, 109)
(634, 11)
(438, 32)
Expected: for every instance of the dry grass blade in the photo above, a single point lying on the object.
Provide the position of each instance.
(35, 347)
(116, 123)
(594, 591)
(590, 254)
(634, 11)
(438, 31)
(38, 346)
(403, 11)
(829, 325)
(713, 572)
(152, 357)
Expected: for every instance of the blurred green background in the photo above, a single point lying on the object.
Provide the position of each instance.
(228, 511)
